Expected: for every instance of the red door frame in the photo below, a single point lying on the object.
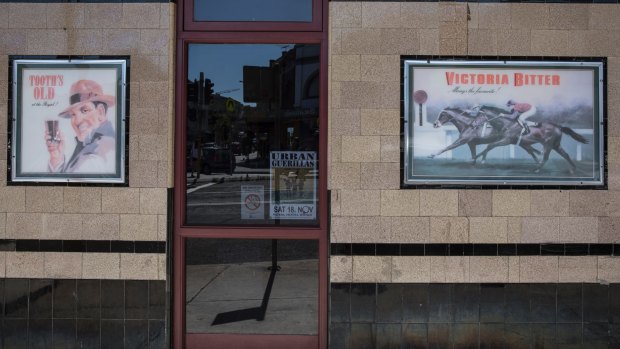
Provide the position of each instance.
(181, 232)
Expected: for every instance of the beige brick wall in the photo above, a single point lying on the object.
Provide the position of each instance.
(145, 32)
(366, 41)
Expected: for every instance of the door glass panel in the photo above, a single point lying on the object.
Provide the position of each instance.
(253, 10)
(252, 286)
(252, 134)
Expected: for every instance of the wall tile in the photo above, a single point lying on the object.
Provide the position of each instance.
(138, 227)
(549, 203)
(60, 265)
(4, 15)
(587, 203)
(361, 149)
(125, 41)
(24, 265)
(488, 269)
(410, 230)
(439, 203)
(139, 266)
(369, 94)
(345, 175)
(400, 203)
(449, 229)
(341, 269)
(24, 225)
(153, 201)
(27, 15)
(154, 41)
(513, 42)
(390, 149)
(361, 229)
(578, 269)
(360, 41)
(513, 269)
(380, 122)
(538, 269)
(481, 42)
(540, 229)
(399, 41)
(530, 16)
(475, 203)
(420, 14)
(61, 226)
(608, 269)
(120, 200)
(381, 15)
(439, 268)
(82, 200)
(458, 269)
(609, 230)
(13, 199)
(568, 16)
(429, 41)
(411, 269)
(372, 269)
(579, 229)
(511, 203)
(100, 226)
(360, 202)
(380, 67)
(602, 17)
(550, 42)
(488, 229)
(380, 175)
(345, 68)
(141, 15)
(101, 266)
(345, 14)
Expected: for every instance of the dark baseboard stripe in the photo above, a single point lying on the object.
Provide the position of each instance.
(89, 1)
(83, 246)
(500, 1)
(365, 249)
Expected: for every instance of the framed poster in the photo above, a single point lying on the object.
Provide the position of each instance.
(503, 123)
(68, 121)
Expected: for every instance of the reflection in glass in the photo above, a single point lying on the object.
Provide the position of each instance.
(252, 134)
(251, 286)
(253, 11)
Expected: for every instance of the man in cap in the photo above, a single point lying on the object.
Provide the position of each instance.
(94, 134)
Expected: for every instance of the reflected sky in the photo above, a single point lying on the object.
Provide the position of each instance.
(252, 10)
(223, 63)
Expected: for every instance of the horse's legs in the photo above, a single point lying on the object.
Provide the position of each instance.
(528, 148)
(472, 150)
(563, 153)
(504, 141)
(546, 153)
(457, 143)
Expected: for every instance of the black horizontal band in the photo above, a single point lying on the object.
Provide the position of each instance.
(365, 249)
(100, 246)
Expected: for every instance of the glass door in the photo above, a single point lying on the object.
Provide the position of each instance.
(250, 232)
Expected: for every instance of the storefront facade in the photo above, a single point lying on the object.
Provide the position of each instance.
(264, 200)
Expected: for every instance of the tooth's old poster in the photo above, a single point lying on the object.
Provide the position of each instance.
(68, 121)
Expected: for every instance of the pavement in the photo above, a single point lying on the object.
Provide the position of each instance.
(236, 293)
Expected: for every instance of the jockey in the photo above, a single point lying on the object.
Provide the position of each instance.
(523, 110)
(479, 117)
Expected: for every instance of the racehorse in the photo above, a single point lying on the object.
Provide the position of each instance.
(472, 136)
(507, 131)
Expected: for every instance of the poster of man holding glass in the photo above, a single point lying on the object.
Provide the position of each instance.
(68, 123)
